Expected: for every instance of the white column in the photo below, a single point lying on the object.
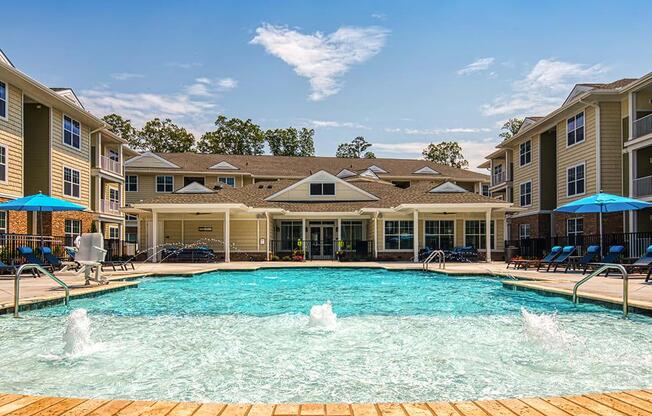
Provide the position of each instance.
(267, 235)
(632, 172)
(303, 237)
(183, 231)
(416, 236)
(488, 235)
(227, 236)
(154, 235)
(98, 193)
(632, 114)
(376, 236)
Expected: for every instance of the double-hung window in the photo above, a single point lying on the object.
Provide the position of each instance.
(525, 153)
(526, 194)
(290, 235)
(3, 164)
(3, 222)
(439, 234)
(71, 182)
(485, 190)
(4, 102)
(72, 229)
(399, 235)
(131, 183)
(114, 232)
(228, 180)
(523, 231)
(575, 180)
(164, 183)
(71, 132)
(575, 128)
(575, 231)
(475, 232)
(322, 189)
(114, 199)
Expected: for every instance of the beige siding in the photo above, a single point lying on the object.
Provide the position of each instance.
(611, 155)
(244, 234)
(172, 232)
(63, 155)
(527, 173)
(214, 238)
(146, 189)
(584, 152)
(11, 136)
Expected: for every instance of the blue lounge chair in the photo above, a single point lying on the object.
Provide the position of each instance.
(7, 268)
(554, 252)
(644, 263)
(562, 258)
(51, 259)
(28, 254)
(612, 257)
(591, 255)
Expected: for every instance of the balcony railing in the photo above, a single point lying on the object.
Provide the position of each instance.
(109, 207)
(643, 186)
(498, 178)
(110, 165)
(643, 126)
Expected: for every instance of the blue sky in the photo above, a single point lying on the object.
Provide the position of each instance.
(400, 73)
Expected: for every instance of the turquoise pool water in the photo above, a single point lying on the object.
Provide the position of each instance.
(272, 336)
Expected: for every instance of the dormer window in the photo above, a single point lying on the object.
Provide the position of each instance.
(322, 189)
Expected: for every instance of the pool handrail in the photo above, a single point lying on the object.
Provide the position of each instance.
(32, 266)
(434, 254)
(603, 268)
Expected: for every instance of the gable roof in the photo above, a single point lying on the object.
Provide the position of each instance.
(223, 165)
(321, 176)
(194, 188)
(5, 59)
(155, 161)
(70, 95)
(426, 170)
(345, 173)
(448, 187)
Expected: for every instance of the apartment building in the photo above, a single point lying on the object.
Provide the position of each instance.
(251, 207)
(581, 148)
(49, 143)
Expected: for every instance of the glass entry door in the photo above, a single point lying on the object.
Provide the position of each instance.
(322, 242)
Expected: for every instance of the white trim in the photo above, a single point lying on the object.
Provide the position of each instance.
(584, 179)
(520, 194)
(156, 185)
(376, 169)
(194, 188)
(127, 182)
(235, 181)
(63, 181)
(425, 235)
(493, 221)
(398, 250)
(447, 187)
(223, 165)
(150, 154)
(426, 170)
(63, 132)
(6, 116)
(583, 112)
(307, 179)
(522, 165)
(345, 173)
(4, 146)
(113, 227)
(322, 195)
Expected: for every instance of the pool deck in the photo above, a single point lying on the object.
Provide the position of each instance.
(42, 291)
(627, 403)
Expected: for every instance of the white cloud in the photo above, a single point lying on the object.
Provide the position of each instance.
(379, 16)
(543, 88)
(124, 76)
(184, 65)
(434, 132)
(207, 87)
(331, 123)
(227, 83)
(478, 65)
(323, 59)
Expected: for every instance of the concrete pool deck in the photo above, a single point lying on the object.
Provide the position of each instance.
(627, 403)
(43, 291)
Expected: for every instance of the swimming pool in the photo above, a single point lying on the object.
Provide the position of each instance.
(251, 337)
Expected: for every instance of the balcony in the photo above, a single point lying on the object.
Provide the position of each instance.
(643, 126)
(643, 186)
(110, 165)
(499, 178)
(109, 207)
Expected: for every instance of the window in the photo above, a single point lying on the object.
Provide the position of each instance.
(71, 131)
(322, 189)
(71, 182)
(130, 217)
(131, 237)
(3, 100)
(114, 232)
(72, 229)
(229, 180)
(351, 234)
(475, 232)
(399, 235)
(114, 196)
(575, 129)
(164, 183)
(113, 155)
(290, 235)
(3, 222)
(575, 180)
(523, 231)
(131, 183)
(575, 231)
(439, 235)
(187, 180)
(525, 152)
(3, 163)
(526, 194)
(485, 190)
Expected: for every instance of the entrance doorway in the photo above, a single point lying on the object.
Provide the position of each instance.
(322, 240)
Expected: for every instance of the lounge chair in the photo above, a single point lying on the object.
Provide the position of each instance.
(51, 259)
(591, 255)
(28, 254)
(90, 256)
(644, 263)
(7, 268)
(612, 257)
(525, 263)
(562, 258)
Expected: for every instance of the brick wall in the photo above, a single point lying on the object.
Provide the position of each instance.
(16, 220)
(539, 225)
(611, 223)
(54, 223)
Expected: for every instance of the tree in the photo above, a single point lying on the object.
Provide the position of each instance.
(233, 137)
(291, 142)
(355, 149)
(122, 127)
(510, 128)
(164, 136)
(445, 153)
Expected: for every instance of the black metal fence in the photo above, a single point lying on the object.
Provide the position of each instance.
(353, 250)
(635, 243)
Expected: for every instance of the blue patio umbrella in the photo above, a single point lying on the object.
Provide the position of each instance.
(603, 203)
(40, 203)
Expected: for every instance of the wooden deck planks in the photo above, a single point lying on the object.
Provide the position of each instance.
(338, 409)
(210, 409)
(18, 404)
(618, 405)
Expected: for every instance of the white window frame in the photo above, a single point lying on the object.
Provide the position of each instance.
(494, 240)
(4, 219)
(574, 118)
(521, 194)
(484, 189)
(113, 191)
(65, 227)
(399, 249)
(219, 180)
(127, 182)
(131, 217)
(6, 100)
(524, 231)
(322, 190)
(521, 153)
(114, 227)
(574, 220)
(72, 171)
(583, 164)
(156, 184)
(439, 234)
(5, 148)
(63, 132)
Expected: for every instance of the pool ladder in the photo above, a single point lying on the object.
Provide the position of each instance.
(32, 266)
(605, 268)
(436, 254)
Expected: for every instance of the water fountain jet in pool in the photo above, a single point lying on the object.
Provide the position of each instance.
(77, 336)
(322, 316)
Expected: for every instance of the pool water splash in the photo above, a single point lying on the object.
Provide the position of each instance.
(77, 336)
(543, 329)
(322, 316)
